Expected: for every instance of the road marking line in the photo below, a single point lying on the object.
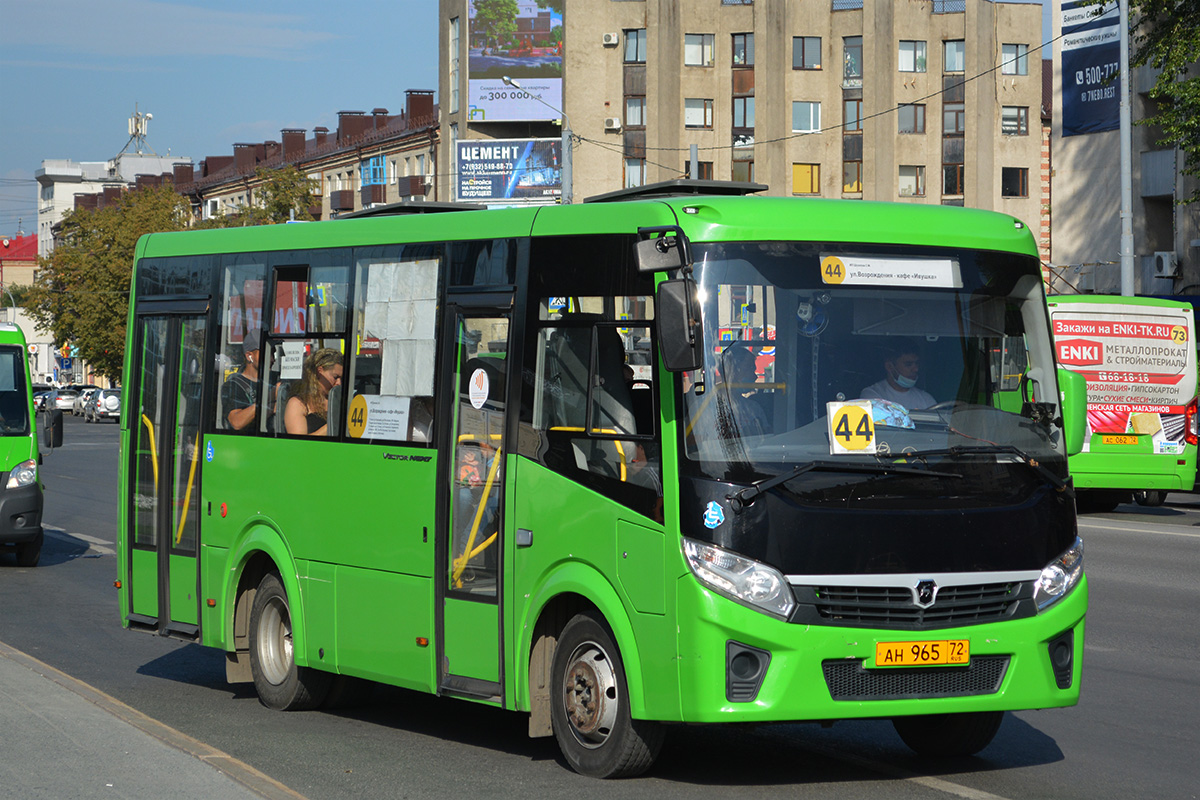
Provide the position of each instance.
(241, 772)
(929, 782)
(94, 545)
(1132, 529)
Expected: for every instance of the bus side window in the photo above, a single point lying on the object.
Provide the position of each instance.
(237, 380)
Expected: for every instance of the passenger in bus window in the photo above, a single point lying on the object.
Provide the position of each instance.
(239, 394)
(902, 366)
(741, 374)
(308, 406)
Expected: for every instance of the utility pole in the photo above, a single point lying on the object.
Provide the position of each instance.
(1127, 288)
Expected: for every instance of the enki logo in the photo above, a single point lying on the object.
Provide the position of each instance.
(1079, 352)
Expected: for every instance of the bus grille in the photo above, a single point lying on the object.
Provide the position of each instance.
(892, 606)
(849, 680)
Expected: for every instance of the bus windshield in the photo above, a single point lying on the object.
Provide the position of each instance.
(950, 346)
(14, 395)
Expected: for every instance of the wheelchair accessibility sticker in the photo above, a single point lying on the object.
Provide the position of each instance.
(714, 515)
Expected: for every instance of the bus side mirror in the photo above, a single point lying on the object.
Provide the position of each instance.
(677, 316)
(1072, 392)
(52, 433)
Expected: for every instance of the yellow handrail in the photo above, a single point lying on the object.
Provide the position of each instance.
(153, 449)
(470, 551)
(187, 495)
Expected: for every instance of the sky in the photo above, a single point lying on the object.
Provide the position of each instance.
(212, 72)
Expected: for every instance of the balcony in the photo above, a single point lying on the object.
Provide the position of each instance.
(412, 186)
(372, 194)
(341, 200)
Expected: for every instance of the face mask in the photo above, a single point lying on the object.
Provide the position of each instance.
(907, 383)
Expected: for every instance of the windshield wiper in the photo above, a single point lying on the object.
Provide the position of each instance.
(744, 496)
(1024, 458)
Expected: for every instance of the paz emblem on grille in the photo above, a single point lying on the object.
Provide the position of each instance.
(924, 594)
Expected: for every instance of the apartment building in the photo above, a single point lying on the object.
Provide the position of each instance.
(926, 101)
(370, 159)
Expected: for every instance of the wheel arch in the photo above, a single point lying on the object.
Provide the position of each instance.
(260, 550)
(570, 590)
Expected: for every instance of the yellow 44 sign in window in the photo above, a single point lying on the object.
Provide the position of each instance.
(851, 429)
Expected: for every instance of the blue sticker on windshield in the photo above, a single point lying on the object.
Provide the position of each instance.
(208, 451)
(714, 515)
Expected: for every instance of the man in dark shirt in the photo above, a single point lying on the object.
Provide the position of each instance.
(239, 395)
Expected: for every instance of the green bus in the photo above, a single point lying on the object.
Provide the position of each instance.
(20, 490)
(694, 513)
(1137, 356)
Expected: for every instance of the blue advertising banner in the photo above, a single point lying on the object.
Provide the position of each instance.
(520, 39)
(497, 170)
(1091, 61)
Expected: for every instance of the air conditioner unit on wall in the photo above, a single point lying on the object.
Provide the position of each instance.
(1165, 265)
(611, 39)
(612, 123)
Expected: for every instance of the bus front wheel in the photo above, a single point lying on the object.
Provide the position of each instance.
(281, 684)
(590, 705)
(942, 735)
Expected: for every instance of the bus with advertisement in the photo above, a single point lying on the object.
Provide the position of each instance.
(1138, 358)
(542, 477)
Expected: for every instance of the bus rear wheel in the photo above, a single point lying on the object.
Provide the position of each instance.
(281, 684)
(590, 705)
(1149, 497)
(944, 735)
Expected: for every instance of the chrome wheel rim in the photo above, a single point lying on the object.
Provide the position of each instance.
(275, 641)
(590, 695)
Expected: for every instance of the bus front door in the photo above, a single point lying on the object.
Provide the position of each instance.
(473, 509)
(164, 472)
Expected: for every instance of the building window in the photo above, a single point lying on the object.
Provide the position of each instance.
(635, 46)
(1014, 59)
(743, 171)
(806, 178)
(372, 171)
(1014, 121)
(697, 112)
(954, 118)
(912, 118)
(912, 181)
(743, 112)
(912, 56)
(698, 49)
(852, 47)
(704, 170)
(851, 177)
(806, 116)
(743, 49)
(806, 52)
(1014, 182)
(954, 55)
(454, 44)
(635, 112)
(635, 172)
(852, 115)
(952, 179)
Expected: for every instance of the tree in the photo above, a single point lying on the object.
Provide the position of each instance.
(81, 293)
(279, 193)
(497, 17)
(1166, 35)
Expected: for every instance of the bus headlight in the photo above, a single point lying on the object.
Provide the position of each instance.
(1060, 576)
(23, 474)
(742, 579)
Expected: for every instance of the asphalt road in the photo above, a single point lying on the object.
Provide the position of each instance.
(1135, 733)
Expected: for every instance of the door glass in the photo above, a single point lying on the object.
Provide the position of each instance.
(150, 411)
(477, 481)
(186, 498)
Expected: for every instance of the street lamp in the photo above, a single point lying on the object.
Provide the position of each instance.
(567, 195)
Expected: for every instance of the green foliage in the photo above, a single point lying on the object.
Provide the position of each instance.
(282, 192)
(553, 5)
(81, 293)
(497, 17)
(1166, 35)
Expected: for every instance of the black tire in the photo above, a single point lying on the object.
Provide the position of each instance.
(946, 735)
(590, 707)
(281, 684)
(1149, 497)
(30, 553)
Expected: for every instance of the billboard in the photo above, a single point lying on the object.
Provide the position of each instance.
(1091, 62)
(522, 39)
(497, 170)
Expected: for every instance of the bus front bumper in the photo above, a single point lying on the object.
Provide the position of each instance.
(739, 665)
(20, 514)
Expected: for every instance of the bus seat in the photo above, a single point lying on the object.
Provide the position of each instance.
(333, 413)
(281, 399)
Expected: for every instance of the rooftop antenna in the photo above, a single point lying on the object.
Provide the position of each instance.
(138, 124)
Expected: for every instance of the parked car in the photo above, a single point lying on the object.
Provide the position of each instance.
(103, 404)
(39, 401)
(65, 399)
(81, 401)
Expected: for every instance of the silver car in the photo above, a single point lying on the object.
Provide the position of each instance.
(103, 404)
(81, 401)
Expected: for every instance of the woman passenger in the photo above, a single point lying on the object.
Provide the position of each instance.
(308, 406)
